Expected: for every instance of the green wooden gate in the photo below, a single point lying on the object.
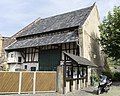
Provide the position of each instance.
(49, 60)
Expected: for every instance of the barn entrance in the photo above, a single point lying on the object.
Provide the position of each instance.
(49, 60)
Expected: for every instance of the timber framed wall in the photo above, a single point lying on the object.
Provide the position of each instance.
(32, 56)
(72, 73)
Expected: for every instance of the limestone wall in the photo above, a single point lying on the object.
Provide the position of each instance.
(91, 48)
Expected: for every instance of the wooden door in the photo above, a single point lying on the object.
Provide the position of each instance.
(49, 60)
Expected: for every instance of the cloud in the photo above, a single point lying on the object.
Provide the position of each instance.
(16, 14)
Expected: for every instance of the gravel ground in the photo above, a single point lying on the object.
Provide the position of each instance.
(90, 91)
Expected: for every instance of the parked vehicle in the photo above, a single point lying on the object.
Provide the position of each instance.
(104, 84)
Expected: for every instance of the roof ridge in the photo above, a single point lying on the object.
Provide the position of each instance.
(68, 12)
(56, 22)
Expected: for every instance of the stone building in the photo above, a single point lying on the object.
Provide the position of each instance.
(4, 42)
(40, 45)
(69, 40)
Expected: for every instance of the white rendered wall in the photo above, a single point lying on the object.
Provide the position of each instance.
(29, 65)
(13, 59)
(12, 67)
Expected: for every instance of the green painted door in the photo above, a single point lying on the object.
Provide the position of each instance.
(49, 60)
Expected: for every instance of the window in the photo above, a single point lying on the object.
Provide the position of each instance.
(68, 71)
(11, 55)
(33, 68)
(19, 59)
(25, 66)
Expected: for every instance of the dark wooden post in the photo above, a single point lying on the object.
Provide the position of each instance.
(78, 72)
(86, 76)
(71, 81)
(82, 76)
(25, 54)
(39, 58)
(64, 74)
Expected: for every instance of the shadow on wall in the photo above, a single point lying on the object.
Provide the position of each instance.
(95, 50)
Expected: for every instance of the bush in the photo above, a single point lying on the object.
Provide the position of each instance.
(115, 76)
(94, 78)
(108, 74)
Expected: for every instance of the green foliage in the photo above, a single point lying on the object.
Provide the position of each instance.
(115, 76)
(110, 34)
(94, 78)
(108, 74)
(115, 62)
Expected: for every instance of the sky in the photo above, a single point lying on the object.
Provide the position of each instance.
(16, 14)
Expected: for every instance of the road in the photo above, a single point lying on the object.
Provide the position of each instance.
(114, 91)
(90, 91)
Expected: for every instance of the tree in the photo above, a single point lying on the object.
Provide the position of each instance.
(110, 34)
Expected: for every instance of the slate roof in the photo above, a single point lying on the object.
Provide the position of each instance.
(50, 24)
(46, 40)
(80, 60)
(66, 20)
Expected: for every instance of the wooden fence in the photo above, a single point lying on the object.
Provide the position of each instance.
(27, 82)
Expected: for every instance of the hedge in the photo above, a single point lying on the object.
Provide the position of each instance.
(115, 76)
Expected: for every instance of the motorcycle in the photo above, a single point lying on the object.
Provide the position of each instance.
(104, 85)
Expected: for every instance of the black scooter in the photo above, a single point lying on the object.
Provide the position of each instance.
(104, 85)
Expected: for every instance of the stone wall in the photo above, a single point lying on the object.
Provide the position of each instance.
(91, 34)
(88, 39)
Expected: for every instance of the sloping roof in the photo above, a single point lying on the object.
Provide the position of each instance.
(80, 60)
(6, 41)
(46, 40)
(62, 21)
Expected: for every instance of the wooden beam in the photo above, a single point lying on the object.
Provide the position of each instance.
(28, 54)
(69, 47)
(64, 73)
(82, 74)
(86, 75)
(31, 62)
(78, 72)
(77, 50)
(23, 52)
(34, 51)
(65, 47)
(31, 54)
(71, 81)
(74, 48)
(64, 70)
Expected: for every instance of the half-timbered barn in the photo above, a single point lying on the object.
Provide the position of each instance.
(41, 45)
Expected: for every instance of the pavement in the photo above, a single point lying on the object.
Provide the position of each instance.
(90, 91)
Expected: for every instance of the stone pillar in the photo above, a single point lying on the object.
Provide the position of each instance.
(60, 79)
(89, 76)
